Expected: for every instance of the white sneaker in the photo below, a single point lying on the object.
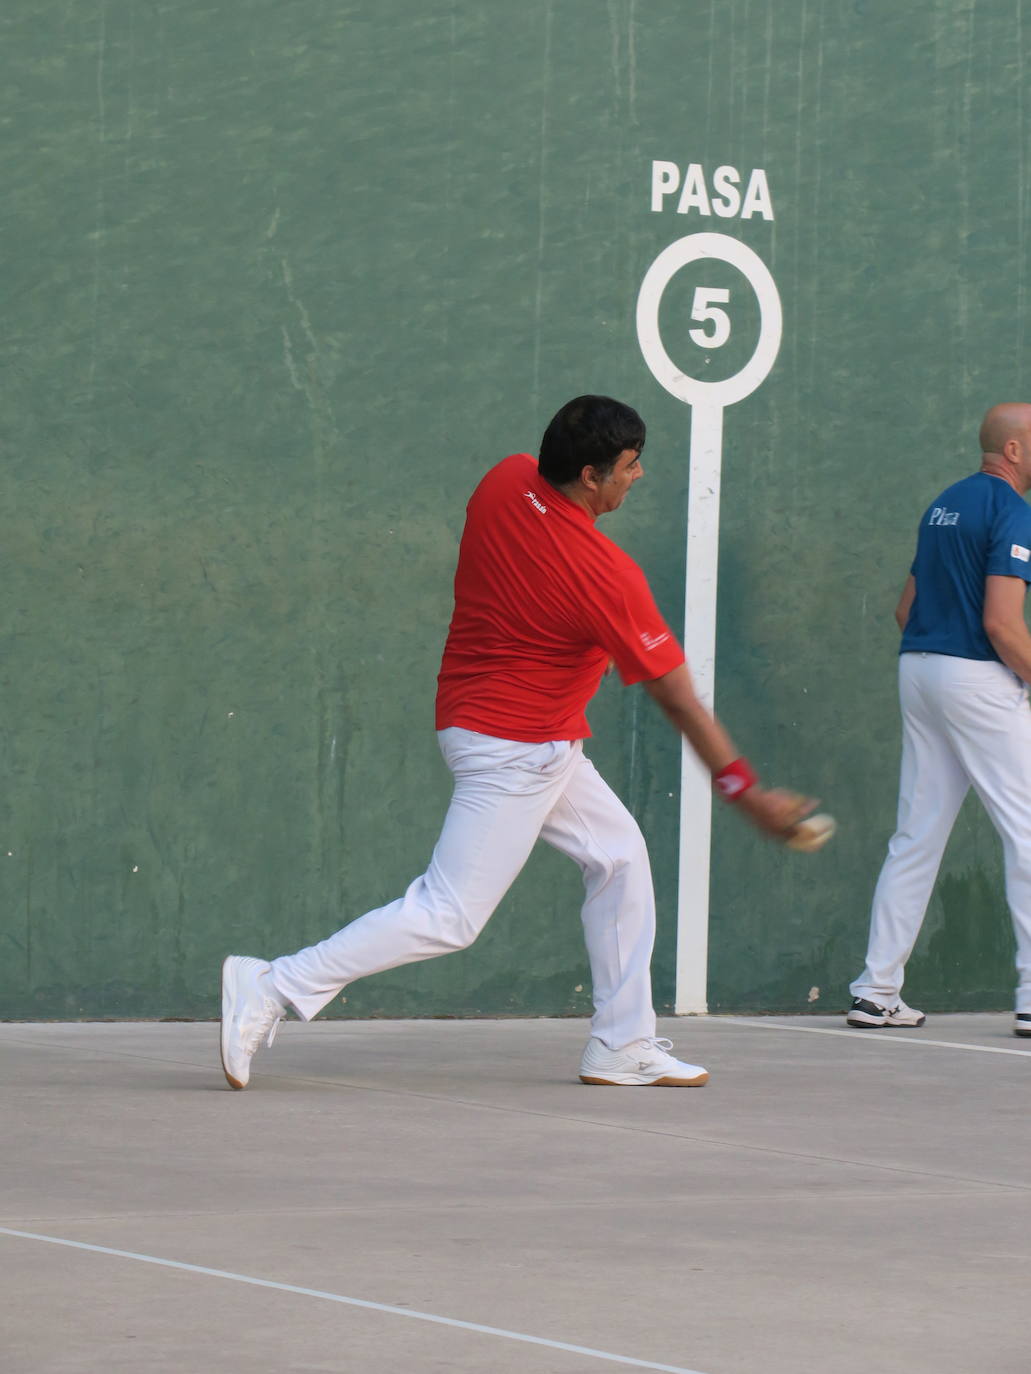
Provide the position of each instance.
(871, 1014)
(641, 1064)
(250, 1014)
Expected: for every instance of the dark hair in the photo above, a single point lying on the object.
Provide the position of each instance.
(591, 431)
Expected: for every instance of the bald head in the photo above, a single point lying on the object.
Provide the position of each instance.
(1010, 420)
(1006, 444)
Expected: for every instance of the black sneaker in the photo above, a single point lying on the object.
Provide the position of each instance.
(872, 1014)
(1022, 1024)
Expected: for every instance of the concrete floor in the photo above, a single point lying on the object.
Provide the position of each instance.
(847, 1201)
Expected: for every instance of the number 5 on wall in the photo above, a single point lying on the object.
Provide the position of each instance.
(702, 309)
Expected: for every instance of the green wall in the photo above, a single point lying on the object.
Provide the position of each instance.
(281, 280)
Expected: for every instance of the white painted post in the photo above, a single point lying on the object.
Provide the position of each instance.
(708, 401)
(703, 535)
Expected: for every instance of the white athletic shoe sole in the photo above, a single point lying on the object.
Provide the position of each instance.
(633, 1081)
(229, 997)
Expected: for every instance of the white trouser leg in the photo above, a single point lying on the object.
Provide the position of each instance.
(990, 728)
(503, 794)
(592, 826)
(932, 786)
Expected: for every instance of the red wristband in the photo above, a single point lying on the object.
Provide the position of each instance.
(734, 781)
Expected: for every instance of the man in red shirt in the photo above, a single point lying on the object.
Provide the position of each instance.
(544, 602)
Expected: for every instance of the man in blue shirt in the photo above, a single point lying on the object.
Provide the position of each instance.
(964, 665)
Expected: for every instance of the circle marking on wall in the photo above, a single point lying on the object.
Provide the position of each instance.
(693, 390)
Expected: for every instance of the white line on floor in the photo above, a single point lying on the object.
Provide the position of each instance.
(354, 1302)
(885, 1036)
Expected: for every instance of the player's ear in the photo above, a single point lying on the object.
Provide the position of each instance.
(589, 478)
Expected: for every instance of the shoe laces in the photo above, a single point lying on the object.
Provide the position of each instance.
(658, 1046)
(265, 1024)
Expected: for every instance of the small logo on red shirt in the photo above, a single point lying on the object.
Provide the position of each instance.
(651, 642)
(535, 501)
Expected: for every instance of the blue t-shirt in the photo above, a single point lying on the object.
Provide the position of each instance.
(975, 529)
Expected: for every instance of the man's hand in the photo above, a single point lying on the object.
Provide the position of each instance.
(775, 810)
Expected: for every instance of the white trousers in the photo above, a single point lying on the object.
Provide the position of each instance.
(964, 723)
(506, 796)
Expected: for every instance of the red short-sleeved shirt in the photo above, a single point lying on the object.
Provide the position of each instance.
(543, 601)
